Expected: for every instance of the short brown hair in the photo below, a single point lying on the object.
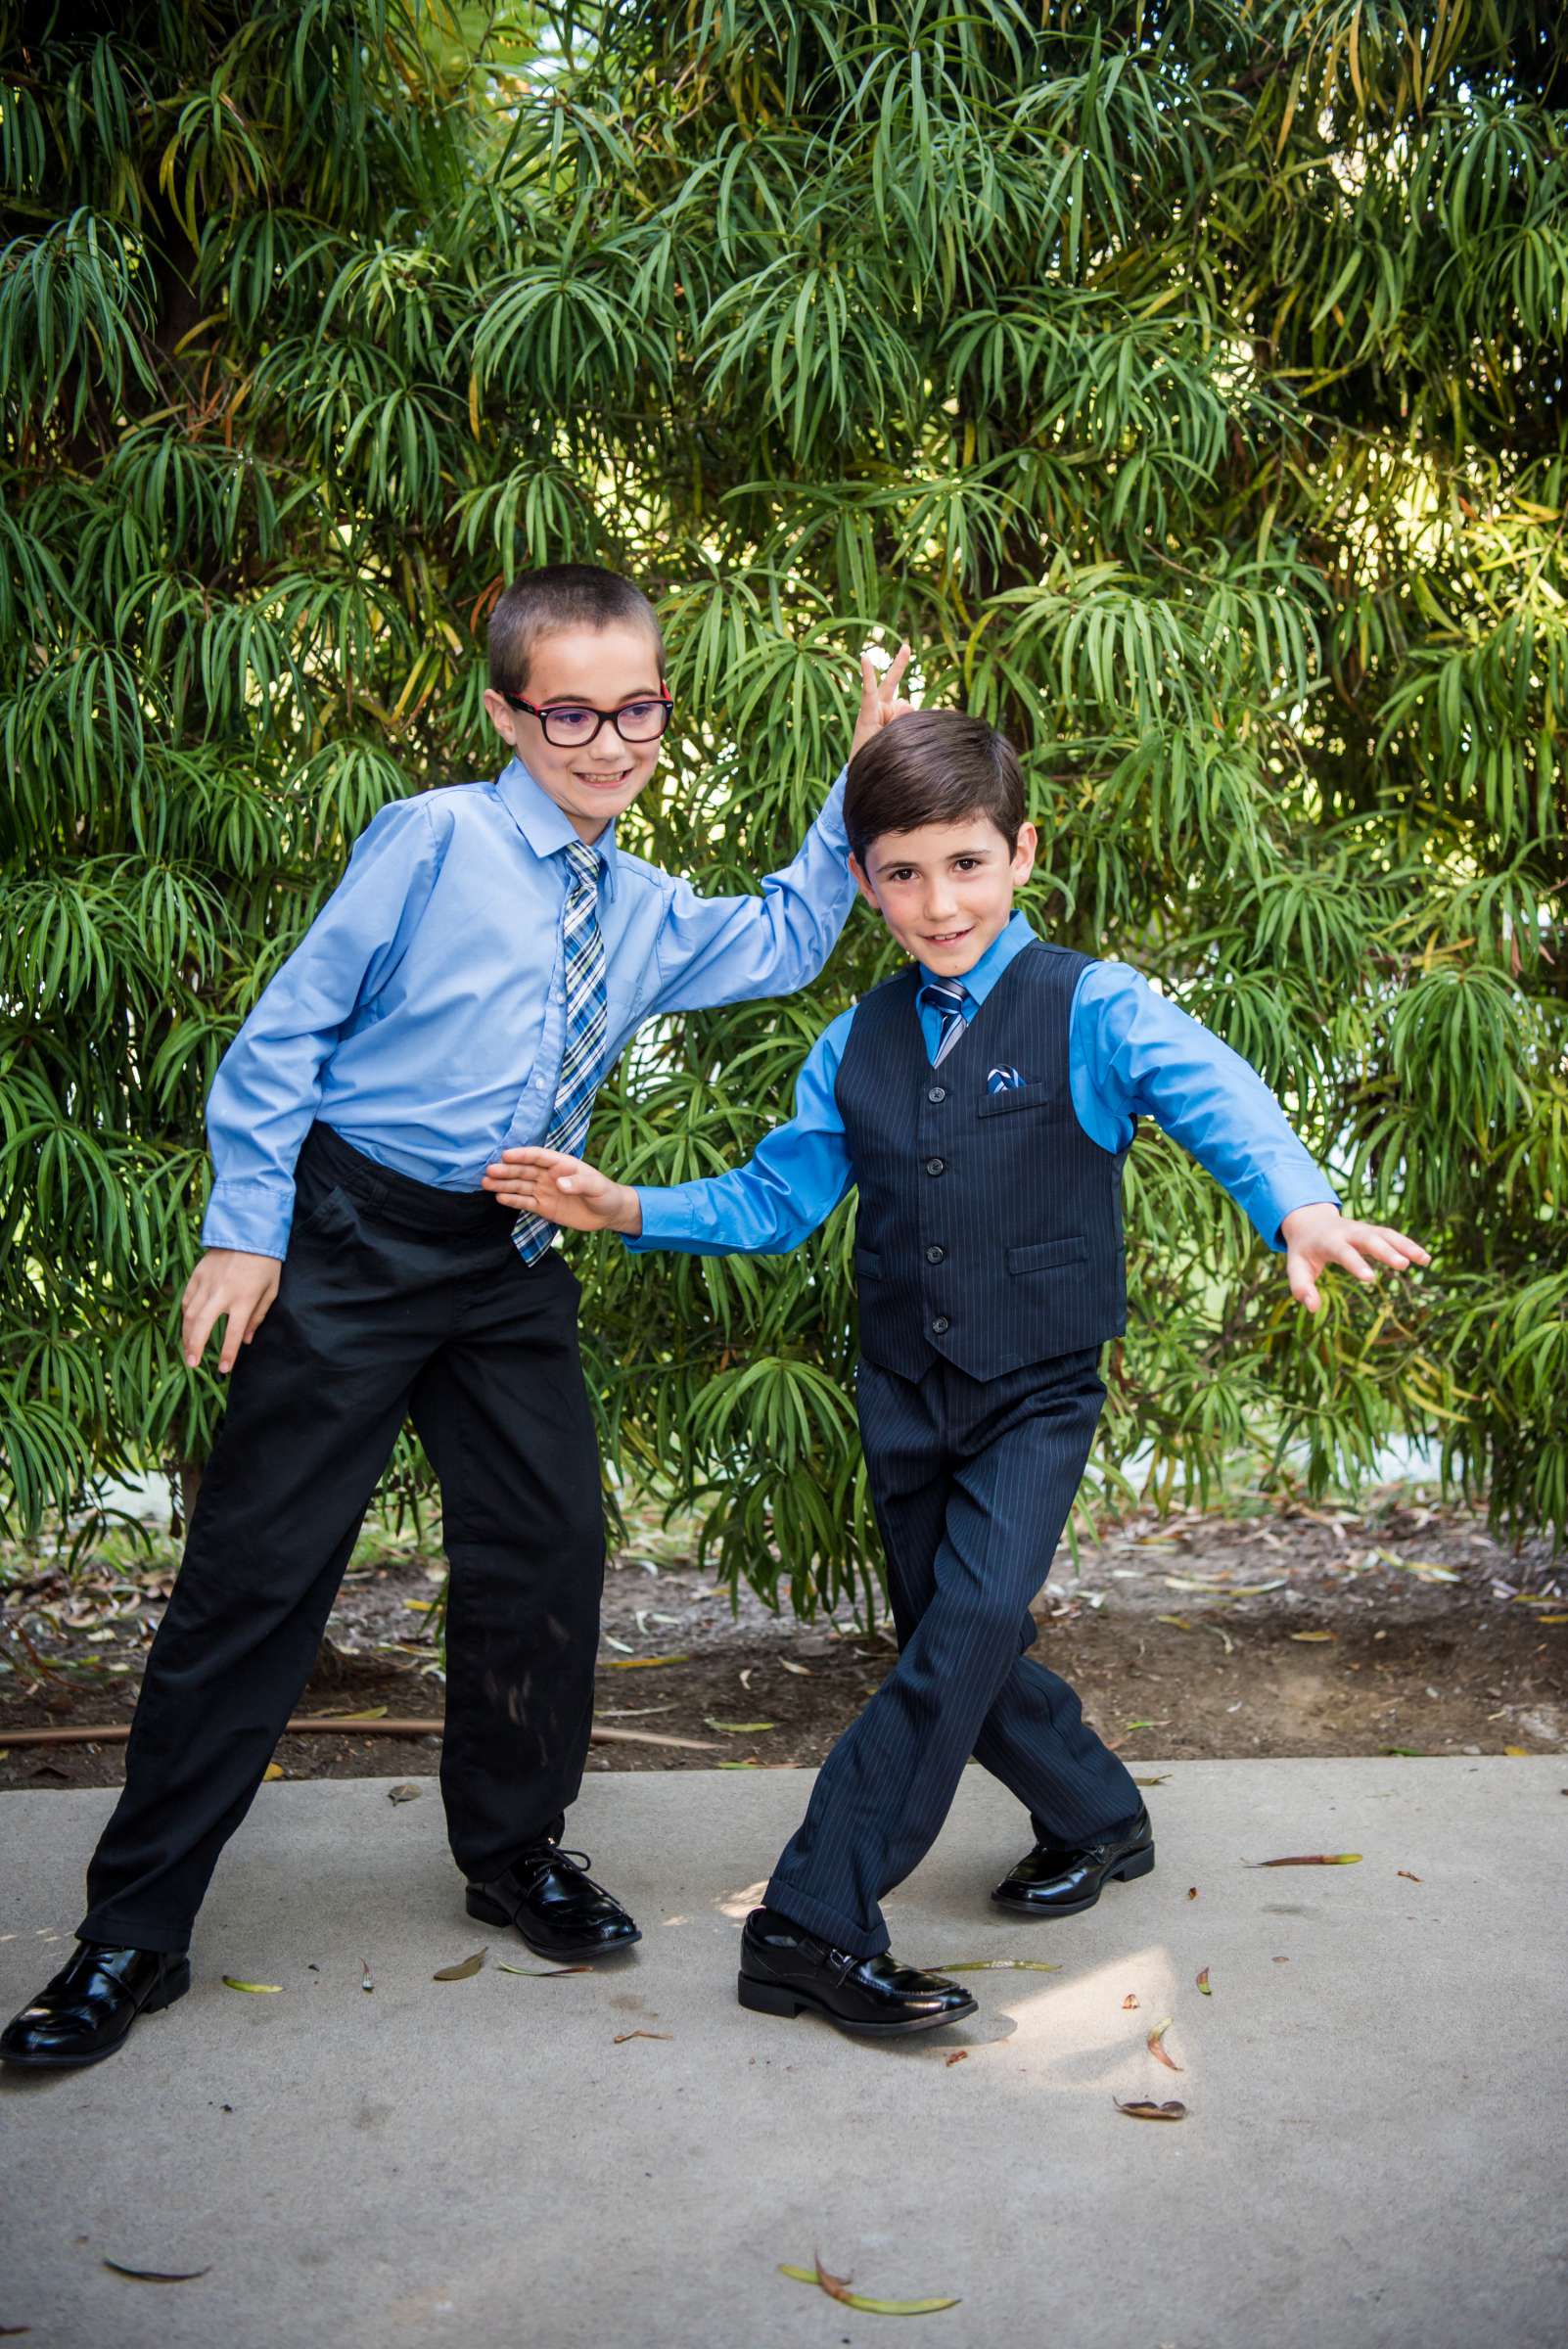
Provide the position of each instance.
(561, 595)
(932, 766)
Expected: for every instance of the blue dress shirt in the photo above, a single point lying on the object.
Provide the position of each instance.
(423, 1014)
(1130, 1053)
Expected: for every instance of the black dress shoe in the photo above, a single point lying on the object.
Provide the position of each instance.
(555, 1907)
(785, 1970)
(1061, 1879)
(89, 2008)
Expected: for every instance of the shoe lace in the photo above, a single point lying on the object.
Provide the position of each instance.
(552, 1855)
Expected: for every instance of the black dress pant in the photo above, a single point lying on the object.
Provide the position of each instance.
(972, 1480)
(396, 1300)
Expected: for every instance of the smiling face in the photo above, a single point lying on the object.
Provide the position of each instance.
(945, 890)
(595, 669)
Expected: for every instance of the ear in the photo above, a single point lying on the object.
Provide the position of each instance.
(1024, 848)
(858, 877)
(502, 716)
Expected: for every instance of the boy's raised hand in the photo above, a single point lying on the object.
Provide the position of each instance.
(564, 1190)
(1319, 1235)
(879, 697)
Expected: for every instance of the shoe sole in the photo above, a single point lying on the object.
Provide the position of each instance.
(490, 1912)
(173, 1987)
(770, 1998)
(1141, 1863)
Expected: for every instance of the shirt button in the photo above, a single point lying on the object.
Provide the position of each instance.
(935, 1166)
(938, 1092)
(941, 1325)
(934, 1256)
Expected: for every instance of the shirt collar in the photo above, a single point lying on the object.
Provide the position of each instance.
(980, 980)
(545, 826)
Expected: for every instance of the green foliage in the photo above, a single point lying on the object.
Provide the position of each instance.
(1187, 378)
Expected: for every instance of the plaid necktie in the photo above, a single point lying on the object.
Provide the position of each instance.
(583, 1061)
(949, 995)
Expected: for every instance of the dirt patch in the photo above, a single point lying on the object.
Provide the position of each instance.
(1394, 1627)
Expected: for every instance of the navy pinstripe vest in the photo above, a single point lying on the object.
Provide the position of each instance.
(989, 1226)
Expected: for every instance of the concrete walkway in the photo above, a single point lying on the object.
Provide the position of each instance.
(1375, 2156)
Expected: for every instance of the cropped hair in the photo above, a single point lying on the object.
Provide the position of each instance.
(932, 766)
(561, 595)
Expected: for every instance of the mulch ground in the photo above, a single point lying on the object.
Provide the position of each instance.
(1392, 1627)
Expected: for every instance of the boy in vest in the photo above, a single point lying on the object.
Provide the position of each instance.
(469, 982)
(984, 1100)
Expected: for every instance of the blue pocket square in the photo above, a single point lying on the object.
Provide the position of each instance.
(1002, 1080)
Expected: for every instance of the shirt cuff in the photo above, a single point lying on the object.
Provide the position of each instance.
(1275, 1192)
(668, 1218)
(252, 1217)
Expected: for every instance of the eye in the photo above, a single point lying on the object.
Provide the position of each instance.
(570, 713)
(968, 864)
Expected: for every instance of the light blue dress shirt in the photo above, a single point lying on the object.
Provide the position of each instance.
(1130, 1053)
(423, 1014)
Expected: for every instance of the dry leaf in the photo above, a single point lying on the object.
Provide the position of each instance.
(402, 1794)
(802, 1672)
(997, 1966)
(837, 2287)
(259, 1989)
(642, 1663)
(621, 2037)
(1409, 1879)
(1151, 1781)
(1203, 1984)
(1193, 1891)
(740, 1728)
(1128, 2001)
(273, 1770)
(1309, 1859)
(543, 1973)
(1143, 2109)
(1551, 1619)
(365, 1983)
(157, 2275)
(958, 2055)
(1315, 1635)
(464, 1971)
(1516, 1749)
(347, 1720)
(750, 1765)
(1154, 2044)
(1177, 1622)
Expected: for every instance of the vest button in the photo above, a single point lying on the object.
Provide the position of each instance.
(938, 1092)
(935, 1166)
(941, 1325)
(934, 1256)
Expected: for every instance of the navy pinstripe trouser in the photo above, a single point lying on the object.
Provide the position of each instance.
(972, 1480)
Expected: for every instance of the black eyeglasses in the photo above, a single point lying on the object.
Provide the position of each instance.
(571, 725)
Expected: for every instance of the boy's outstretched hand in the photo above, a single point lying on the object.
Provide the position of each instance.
(564, 1190)
(879, 697)
(1319, 1235)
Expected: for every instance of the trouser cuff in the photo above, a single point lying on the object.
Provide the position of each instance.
(830, 1924)
(134, 1933)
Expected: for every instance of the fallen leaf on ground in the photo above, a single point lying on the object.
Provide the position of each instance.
(542, 1973)
(837, 2287)
(1142, 2108)
(365, 1983)
(1151, 1781)
(802, 1672)
(1128, 2001)
(157, 2275)
(359, 1713)
(402, 1794)
(1315, 1635)
(1433, 1572)
(997, 1966)
(740, 1728)
(1309, 1859)
(463, 1972)
(273, 1770)
(1156, 2047)
(1177, 1622)
(958, 2055)
(621, 2037)
(260, 1989)
(1193, 1891)
(642, 1663)
(1203, 1984)
(1409, 1879)
(1551, 1619)
(752, 1764)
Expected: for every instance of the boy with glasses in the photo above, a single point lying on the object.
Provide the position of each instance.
(475, 975)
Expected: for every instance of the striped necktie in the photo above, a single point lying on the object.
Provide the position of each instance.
(582, 1060)
(949, 995)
